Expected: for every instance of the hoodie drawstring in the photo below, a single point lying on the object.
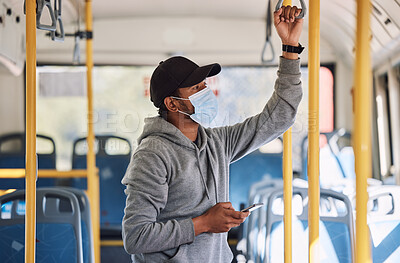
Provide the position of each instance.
(202, 174)
(214, 177)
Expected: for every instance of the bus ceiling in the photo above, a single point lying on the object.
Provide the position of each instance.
(231, 32)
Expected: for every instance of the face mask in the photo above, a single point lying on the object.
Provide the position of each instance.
(205, 106)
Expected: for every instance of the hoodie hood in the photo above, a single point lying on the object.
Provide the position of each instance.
(157, 126)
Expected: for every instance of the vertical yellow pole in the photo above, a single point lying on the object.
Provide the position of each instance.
(287, 186)
(287, 193)
(362, 127)
(93, 180)
(30, 166)
(313, 130)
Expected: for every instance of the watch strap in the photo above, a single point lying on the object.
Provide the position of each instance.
(293, 49)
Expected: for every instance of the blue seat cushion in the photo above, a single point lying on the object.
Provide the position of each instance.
(55, 243)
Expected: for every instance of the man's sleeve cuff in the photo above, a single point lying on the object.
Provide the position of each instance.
(187, 228)
(289, 66)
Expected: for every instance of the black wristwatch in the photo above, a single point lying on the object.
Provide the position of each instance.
(293, 49)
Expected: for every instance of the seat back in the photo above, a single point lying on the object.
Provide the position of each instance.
(336, 227)
(246, 244)
(58, 233)
(340, 144)
(324, 143)
(86, 223)
(112, 158)
(12, 155)
(337, 156)
(254, 225)
(384, 222)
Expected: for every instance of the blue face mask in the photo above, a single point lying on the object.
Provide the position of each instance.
(205, 106)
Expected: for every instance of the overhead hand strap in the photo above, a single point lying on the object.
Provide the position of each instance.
(41, 4)
(76, 59)
(303, 8)
(58, 36)
(78, 36)
(268, 26)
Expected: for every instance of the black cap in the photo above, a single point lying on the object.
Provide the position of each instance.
(177, 72)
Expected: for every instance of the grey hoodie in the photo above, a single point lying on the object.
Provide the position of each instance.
(171, 180)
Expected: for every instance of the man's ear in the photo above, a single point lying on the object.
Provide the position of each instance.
(170, 104)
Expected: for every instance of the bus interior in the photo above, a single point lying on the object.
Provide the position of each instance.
(128, 39)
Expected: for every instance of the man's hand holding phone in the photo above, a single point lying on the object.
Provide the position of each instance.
(219, 219)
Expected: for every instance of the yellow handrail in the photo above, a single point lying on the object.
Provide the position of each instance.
(30, 166)
(287, 193)
(313, 130)
(112, 243)
(44, 173)
(287, 186)
(362, 127)
(8, 191)
(93, 179)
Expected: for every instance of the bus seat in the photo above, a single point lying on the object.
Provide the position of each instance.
(86, 223)
(336, 227)
(336, 155)
(12, 155)
(330, 171)
(58, 233)
(340, 144)
(243, 243)
(254, 226)
(346, 158)
(384, 222)
(112, 158)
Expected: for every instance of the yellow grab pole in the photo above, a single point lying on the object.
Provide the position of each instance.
(45, 173)
(313, 130)
(30, 165)
(287, 186)
(287, 193)
(362, 127)
(112, 243)
(93, 180)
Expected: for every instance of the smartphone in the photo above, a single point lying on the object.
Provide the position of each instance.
(252, 207)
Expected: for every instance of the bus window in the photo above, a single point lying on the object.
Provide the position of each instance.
(383, 125)
(394, 122)
(122, 101)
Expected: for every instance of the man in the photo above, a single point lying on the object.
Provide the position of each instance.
(177, 207)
